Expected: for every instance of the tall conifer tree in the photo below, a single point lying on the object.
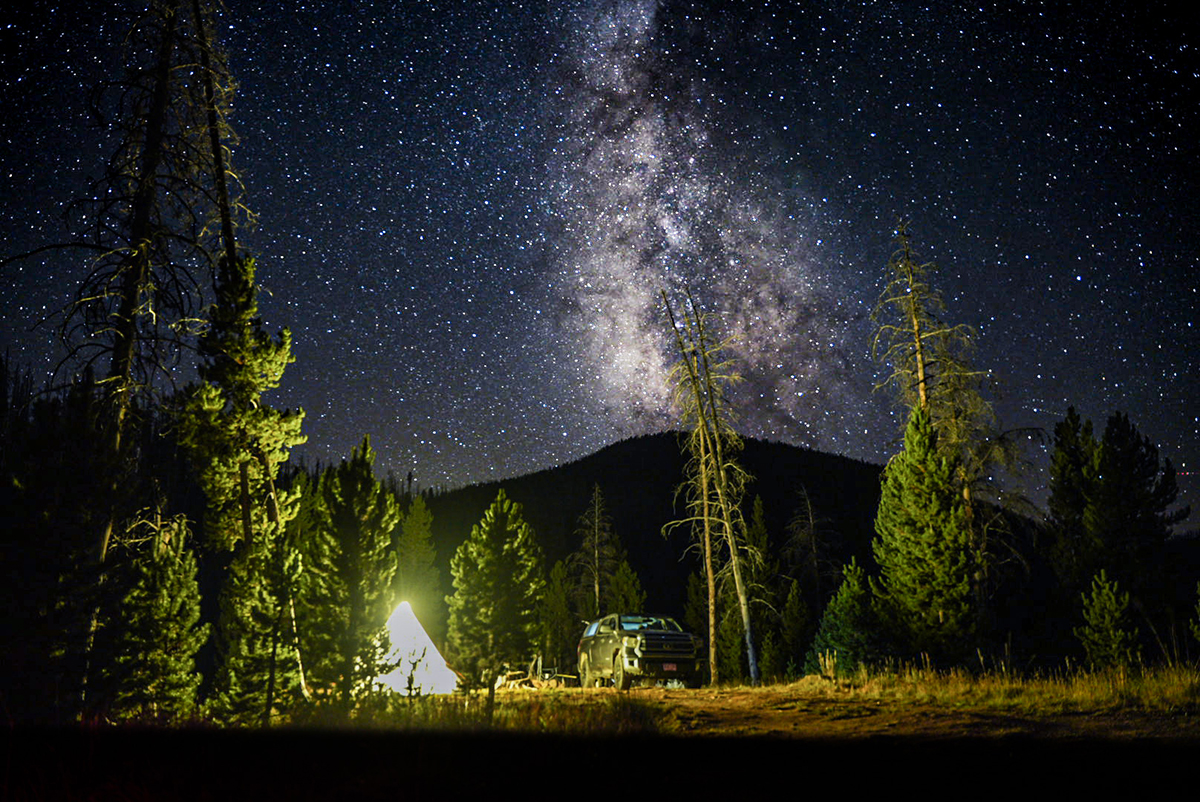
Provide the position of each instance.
(924, 548)
(417, 577)
(153, 677)
(360, 514)
(498, 586)
(238, 443)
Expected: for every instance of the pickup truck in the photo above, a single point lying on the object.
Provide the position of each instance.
(628, 647)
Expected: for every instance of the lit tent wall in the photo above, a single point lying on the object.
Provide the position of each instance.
(415, 655)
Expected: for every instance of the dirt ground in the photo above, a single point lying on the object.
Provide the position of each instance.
(793, 712)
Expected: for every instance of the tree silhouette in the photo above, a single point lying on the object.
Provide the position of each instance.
(359, 514)
(716, 482)
(498, 586)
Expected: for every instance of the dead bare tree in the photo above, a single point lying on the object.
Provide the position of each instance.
(715, 481)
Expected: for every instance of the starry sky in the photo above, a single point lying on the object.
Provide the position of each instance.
(468, 210)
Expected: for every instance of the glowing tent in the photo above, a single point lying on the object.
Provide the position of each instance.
(416, 656)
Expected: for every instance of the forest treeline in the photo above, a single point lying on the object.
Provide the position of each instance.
(168, 562)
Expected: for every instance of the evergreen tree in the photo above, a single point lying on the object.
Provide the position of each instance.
(1128, 513)
(154, 674)
(795, 631)
(931, 370)
(625, 594)
(1072, 474)
(849, 629)
(1107, 638)
(560, 626)
(596, 560)
(1110, 507)
(417, 578)
(360, 514)
(237, 443)
(498, 586)
(924, 549)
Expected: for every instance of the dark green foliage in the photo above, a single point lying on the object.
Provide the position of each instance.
(257, 672)
(560, 626)
(795, 630)
(417, 580)
(924, 549)
(498, 586)
(1110, 507)
(154, 675)
(625, 594)
(1128, 513)
(1107, 638)
(359, 515)
(237, 443)
(1072, 473)
(849, 628)
(595, 562)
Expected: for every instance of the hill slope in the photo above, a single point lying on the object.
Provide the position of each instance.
(638, 478)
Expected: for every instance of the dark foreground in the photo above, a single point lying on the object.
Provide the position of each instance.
(129, 764)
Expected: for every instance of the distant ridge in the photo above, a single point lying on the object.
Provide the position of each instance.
(638, 478)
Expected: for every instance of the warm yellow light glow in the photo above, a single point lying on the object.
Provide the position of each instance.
(417, 656)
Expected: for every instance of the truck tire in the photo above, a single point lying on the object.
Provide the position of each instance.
(622, 680)
(585, 674)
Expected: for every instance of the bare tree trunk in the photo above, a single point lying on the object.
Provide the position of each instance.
(132, 284)
(214, 136)
(727, 512)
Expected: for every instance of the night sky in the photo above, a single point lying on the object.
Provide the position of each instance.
(467, 210)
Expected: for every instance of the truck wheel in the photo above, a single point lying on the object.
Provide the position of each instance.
(622, 680)
(585, 675)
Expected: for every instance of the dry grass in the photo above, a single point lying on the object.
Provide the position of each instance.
(1166, 689)
(526, 712)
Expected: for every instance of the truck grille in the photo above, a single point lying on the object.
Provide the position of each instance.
(667, 644)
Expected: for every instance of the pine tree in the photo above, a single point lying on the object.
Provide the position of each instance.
(924, 549)
(1128, 513)
(1072, 474)
(1110, 506)
(849, 629)
(360, 514)
(1107, 638)
(153, 677)
(625, 594)
(595, 562)
(795, 630)
(560, 626)
(931, 370)
(417, 579)
(237, 443)
(498, 586)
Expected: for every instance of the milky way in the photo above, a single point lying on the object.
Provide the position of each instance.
(658, 186)
(468, 210)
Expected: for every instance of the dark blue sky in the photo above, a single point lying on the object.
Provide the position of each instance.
(467, 210)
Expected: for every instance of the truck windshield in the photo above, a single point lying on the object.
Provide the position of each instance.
(633, 623)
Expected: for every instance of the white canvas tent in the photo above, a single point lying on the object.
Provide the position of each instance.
(416, 655)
